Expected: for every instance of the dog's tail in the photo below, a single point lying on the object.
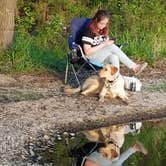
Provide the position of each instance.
(69, 90)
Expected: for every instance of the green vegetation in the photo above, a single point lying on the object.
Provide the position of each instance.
(154, 140)
(152, 135)
(40, 42)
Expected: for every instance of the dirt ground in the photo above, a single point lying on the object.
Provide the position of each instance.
(32, 107)
(155, 71)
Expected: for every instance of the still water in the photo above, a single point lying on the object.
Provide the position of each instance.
(152, 135)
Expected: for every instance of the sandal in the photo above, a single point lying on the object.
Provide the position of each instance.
(141, 68)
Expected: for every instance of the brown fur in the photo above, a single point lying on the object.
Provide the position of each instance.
(96, 85)
(106, 134)
(110, 151)
(103, 134)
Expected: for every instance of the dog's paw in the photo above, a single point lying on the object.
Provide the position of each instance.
(125, 101)
(84, 93)
(101, 99)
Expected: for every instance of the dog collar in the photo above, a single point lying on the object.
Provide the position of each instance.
(112, 141)
(108, 83)
(114, 79)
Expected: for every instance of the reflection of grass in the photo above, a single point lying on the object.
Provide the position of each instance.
(152, 137)
(59, 154)
(154, 141)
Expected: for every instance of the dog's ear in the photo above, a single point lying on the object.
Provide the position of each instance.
(114, 69)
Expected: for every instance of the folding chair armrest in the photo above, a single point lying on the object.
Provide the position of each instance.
(122, 45)
(74, 46)
(78, 47)
(119, 45)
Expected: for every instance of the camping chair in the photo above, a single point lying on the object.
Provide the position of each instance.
(76, 54)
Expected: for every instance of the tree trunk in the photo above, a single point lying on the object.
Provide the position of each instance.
(7, 22)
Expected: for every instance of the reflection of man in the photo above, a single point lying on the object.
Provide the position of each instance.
(97, 159)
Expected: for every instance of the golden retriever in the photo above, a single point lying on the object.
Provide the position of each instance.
(112, 136)
(113, 133)
(108, 83)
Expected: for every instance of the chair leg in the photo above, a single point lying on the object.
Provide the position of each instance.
(92, 67)
(75, 74)
(66, 72)
(89, 65)
(81, 67)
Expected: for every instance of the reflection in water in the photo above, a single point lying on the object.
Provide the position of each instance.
(111, 145)
(111, 141)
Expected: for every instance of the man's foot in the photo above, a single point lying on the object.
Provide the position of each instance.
(139, 147)
(139, 68)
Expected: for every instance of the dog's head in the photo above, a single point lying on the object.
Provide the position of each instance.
(109, 72)
(110, 151)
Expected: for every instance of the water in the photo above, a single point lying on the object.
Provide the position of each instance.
(152, 135)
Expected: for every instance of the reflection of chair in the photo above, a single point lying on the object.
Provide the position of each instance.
(76, 55)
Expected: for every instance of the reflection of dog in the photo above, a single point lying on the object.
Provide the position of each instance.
(109, 83)
(112, 136)
(113, 133)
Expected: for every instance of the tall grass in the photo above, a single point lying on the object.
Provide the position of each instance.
(138, 47)
(40, 43)
(26, 56)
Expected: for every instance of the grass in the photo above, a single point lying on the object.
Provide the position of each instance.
(25, 56)
(138, 47)
(41, 45)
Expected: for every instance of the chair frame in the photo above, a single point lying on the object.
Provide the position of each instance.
(76, 46)
(86, 61)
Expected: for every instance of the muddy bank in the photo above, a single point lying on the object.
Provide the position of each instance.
(32, 112)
